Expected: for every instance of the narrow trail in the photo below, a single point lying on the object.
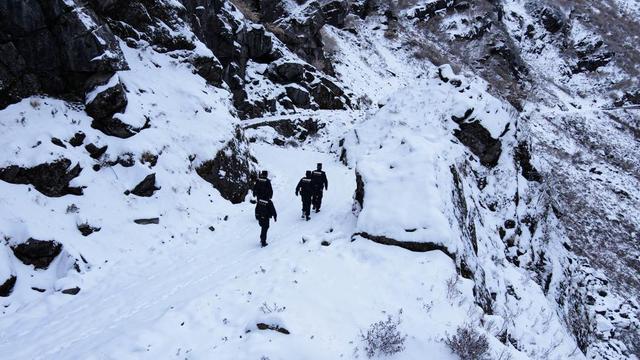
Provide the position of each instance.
(146, 291)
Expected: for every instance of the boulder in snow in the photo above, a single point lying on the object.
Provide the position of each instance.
(230, 170)
(39, 253)
(146, 187)
(51, 179)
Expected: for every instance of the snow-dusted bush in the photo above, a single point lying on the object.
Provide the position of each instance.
(383, 337)
(469, 344)
(268, 309)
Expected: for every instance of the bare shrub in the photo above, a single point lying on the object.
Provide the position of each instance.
(275, 30)
(383, 337)
(468, 344)
(35, 103)
(268, 309)
(452, 288)
(246, 9)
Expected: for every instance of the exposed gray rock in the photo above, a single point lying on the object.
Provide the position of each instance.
(298, 96)
(107, 102)
(335, 12)
(52, 47)
(6, 288)
(478, 139)
(39, 253)
(147, 221)
(146, 187)
(71, 291)
(230, 174)
(86, 229)
(51, 179)
(286, 72)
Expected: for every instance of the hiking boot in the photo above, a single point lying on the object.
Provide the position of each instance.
(308, 217)
(264, 244)
(317, 210)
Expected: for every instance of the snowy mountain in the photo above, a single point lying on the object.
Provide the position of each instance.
(482, 160)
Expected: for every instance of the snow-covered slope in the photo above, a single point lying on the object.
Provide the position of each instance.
(460, 140)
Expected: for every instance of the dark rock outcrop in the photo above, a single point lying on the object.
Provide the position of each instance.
(6, 288)
(408, 245)
(523, 159)
(230, 174)
(146, 187)
(39, 253)
(299, 97)
(109, 100)
(51, 179)
(301, 34)
(359, 193)
(52, 47)
(551, 17)
(335, 12)
(286, 72)
(478, 139)
(297, 129)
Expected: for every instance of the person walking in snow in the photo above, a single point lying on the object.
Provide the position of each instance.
(262, 187)
(319, 183)
(264, 212)
(305, 191)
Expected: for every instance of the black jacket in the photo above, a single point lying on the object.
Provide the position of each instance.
(319, 180)
(265, 210)
(262, 189)
(304, 187)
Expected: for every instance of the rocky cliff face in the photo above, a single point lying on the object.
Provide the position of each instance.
(539, 110)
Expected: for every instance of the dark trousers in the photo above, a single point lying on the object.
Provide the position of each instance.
(306, 205)
(264, 226)
(317, 199)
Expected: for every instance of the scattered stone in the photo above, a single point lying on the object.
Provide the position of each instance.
(71, 291)
(38, 289)
(77, 139)
(325, 243)
(263, 326)
(58, 142)
(509, 224)
(39, 253)
(146, 187)
(94, 151)
(7, 287)
(86, 229)
(147, 221)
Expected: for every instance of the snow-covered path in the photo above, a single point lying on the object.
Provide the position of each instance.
(202, 300)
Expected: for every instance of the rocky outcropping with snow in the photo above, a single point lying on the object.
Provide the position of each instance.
(494, 141)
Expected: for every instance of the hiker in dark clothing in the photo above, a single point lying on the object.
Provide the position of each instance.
(318, 182)
(265, 211)
(305, 190)
(262, 188)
